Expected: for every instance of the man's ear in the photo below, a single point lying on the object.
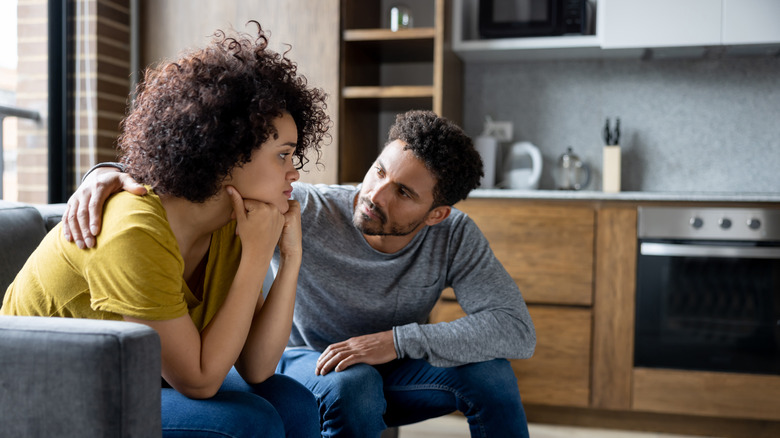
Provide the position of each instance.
(437, 215)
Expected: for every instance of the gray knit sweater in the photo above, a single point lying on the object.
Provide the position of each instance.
(346, 288)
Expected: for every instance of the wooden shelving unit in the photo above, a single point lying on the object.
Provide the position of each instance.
(384, 73)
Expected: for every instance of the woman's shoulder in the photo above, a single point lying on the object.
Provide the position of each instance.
(126, 213)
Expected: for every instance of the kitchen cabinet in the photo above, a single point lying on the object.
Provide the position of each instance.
(659, 23)
(692, 23)
(706, 393)
(627, 28)
(548, 250)
(559, 372)
(384, 73)
(750, 22)
(575, 261)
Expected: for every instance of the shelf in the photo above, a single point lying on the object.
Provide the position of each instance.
(384, 73)
(386, 34)
(393, 92)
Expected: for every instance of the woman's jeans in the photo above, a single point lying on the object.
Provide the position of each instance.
(363, 400)
(277, 407)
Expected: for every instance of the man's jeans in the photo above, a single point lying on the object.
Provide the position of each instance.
(278, 407)
(363, 400)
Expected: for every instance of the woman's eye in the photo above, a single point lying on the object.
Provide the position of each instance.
(379, 171)
(284, 155)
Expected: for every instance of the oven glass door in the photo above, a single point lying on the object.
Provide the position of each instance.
(708, 306)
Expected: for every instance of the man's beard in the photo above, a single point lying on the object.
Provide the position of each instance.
(375, 227)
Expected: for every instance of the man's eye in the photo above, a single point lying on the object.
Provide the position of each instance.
(404, 193)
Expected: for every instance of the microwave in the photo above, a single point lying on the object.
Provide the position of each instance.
(526, 18)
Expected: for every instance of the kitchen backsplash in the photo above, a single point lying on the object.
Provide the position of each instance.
(703, 125)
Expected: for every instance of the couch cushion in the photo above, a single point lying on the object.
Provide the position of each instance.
(21, 230)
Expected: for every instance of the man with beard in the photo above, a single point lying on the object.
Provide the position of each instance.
(376, 258)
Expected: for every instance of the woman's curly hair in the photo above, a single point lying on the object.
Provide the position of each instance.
(196, 119)
(447, 152)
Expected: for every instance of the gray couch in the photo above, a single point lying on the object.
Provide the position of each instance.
(62, 377)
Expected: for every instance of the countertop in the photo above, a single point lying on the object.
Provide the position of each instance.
(586, 195)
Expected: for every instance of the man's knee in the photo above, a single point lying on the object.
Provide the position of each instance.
(359, 386)
(494, 380)
(353, 400)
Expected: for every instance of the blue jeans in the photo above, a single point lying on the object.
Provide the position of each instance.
(363, 400)
(278, 407)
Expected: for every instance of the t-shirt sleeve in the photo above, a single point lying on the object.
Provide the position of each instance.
(138, 273)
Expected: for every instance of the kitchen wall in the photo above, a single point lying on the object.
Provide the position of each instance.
(703, 125)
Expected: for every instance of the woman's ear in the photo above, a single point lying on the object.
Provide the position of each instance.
(437, 215)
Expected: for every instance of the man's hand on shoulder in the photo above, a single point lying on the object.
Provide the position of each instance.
(82, 219)
(373, 349)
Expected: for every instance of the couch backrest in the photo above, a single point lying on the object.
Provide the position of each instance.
(22, 226)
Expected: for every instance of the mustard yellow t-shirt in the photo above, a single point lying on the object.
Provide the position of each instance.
(135, 269)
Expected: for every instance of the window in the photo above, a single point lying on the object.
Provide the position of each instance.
(64, 81)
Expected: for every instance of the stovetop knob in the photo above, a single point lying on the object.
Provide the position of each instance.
(696, 222)
(753, 223)
(725, 223)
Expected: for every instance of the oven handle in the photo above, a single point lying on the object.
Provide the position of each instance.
(682, 250)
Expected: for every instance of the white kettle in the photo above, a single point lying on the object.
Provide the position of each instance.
(518, 176)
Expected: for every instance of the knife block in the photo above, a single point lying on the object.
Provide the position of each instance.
(611, 169)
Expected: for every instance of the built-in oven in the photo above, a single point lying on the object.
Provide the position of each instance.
(708, 289)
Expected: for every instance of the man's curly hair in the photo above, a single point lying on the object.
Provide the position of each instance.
(447, 152)
(198, 118)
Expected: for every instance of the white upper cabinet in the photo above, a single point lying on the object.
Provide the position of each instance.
(686, 23)
(659, 23)
(751, 22)
(626, 28)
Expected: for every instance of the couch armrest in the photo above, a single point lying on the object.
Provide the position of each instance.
(71, 377)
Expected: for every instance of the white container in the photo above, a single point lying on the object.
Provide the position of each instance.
(611, 170)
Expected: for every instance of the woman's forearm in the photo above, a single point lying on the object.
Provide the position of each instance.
(196, 364)
(224, 337)
(271, 325)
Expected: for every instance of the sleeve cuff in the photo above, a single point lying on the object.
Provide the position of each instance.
(119, 166)
(408, 340)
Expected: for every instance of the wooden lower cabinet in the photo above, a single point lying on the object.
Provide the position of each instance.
(706, 393)
(558, 374)
(547, 249)
(575, 264)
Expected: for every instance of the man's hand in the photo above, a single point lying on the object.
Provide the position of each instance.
(373, 349)
(83, 215)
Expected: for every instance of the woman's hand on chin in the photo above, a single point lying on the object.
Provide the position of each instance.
(259, 224)
(290, 244)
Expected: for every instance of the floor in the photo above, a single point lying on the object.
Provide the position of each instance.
(452, 426)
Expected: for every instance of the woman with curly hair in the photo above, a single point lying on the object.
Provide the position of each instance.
(216, 138)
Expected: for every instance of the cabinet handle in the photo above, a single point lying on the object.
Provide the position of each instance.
(687, 250)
